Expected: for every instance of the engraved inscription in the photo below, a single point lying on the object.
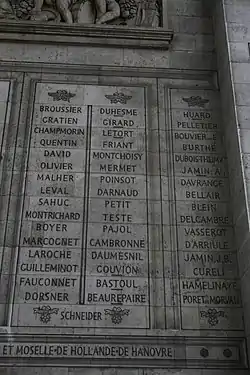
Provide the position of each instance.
(116, 264)
(209, 287)
(83, 257)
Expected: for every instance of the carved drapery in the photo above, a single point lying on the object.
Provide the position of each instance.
(146, 13)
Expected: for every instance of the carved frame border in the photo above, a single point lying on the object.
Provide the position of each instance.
(112, 36)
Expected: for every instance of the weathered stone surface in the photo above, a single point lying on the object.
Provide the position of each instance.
(117, 208)
(122, 12)
(96, 240)
(233, 55)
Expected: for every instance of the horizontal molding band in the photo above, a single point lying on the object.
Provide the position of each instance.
(92, 35)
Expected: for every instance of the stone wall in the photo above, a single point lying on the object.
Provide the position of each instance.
(61, 55)
(192, 49)
(192, 23)
(232, 37)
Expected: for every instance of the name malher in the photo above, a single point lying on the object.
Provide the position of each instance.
(53, 177)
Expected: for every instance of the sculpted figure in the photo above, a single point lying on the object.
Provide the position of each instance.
(62, 6)
(145, 13)
(106, 10)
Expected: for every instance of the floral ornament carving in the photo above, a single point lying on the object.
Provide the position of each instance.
(128, 8)
(204, 353)
(196, 101)
(117, 314)
(227, 353)
(63, 95)
(213, 316)
(118, 97)
(45, 313)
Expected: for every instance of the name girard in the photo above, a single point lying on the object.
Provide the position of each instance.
(117, 123)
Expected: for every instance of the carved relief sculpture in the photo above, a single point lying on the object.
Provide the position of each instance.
(145, 13)
(106, 10)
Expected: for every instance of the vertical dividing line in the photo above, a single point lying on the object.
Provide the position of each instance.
(86, 205)
(146, 126)
(19, 218)
(174, 215)
(7, 113)
(7, 119)
(162, 235)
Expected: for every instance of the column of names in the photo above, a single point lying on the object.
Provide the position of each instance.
(209, 289)
(48, 275)
(116, 268)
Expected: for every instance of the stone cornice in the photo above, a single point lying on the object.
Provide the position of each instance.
(91, 35)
